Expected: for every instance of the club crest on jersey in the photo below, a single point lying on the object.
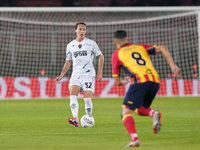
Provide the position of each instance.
(80, 53)
(79, 46)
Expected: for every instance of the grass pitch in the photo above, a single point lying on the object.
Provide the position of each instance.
(42, 125)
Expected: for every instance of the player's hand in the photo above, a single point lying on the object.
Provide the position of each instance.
(175, 70)
(57, 80)
(127, 78)
(99, 77)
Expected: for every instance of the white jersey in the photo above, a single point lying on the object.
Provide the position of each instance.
(82, 54)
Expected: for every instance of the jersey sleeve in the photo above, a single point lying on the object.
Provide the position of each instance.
(150, 49)
(68, 53)
(96, 49)
(115, 64)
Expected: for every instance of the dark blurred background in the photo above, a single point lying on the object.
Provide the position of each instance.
(100, 3)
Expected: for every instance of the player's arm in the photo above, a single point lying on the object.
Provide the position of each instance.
(121, 81)
(101, 61)
(65, 69)
(163, 49)
(115, 70)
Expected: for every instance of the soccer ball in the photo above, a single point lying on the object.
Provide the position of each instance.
(87, 121)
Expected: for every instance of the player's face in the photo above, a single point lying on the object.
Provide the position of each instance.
(81, 31)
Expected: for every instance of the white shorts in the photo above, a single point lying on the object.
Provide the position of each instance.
(87, 83)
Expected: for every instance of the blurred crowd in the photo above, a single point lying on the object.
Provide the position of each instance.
(100, 3)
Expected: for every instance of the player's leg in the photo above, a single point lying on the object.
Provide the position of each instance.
(74, 88)
(145, 110)
(88, 102)
(129, 124)
(142, 111)
(88, 85)
(153, 90)
(132, 100)
(156, 115)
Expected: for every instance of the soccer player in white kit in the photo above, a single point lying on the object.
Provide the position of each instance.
(81, 51)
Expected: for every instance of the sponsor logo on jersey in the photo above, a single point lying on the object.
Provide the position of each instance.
(87, 44)
(148, 71)
(80, 53)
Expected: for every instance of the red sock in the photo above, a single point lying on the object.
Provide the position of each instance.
(130, 126)
(145, 111)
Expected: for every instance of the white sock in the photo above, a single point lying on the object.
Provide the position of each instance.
(151, 113)
(88, 106)
(74, 106)
(134, 136)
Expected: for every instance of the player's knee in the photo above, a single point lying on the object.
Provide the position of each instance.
(88, 94)
(74, 90)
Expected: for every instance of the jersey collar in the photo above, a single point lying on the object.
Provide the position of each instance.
(125, 44)
(81, 41)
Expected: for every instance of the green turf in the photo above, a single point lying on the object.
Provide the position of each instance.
(42, 125)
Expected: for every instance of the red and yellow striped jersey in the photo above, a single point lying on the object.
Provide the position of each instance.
(135, 61)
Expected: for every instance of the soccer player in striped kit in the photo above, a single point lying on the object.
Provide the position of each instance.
(144, 80)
